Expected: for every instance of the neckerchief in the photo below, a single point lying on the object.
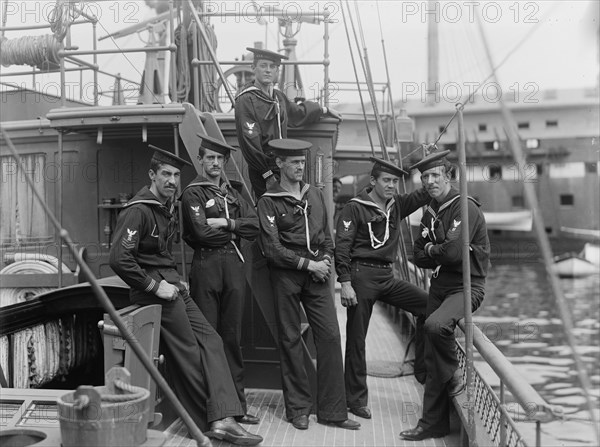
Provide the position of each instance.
(376, 243)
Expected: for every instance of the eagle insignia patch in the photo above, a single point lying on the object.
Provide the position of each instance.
(129, 242)
(271, 220)
(249, 127)
(347, 224)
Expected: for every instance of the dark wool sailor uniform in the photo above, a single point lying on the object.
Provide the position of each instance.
(260, 119)
(440, 248)
(292, 233)
(366, 247)
(141, 256)
(217, 280)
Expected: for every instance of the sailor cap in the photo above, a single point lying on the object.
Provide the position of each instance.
(166, 157)
(288, 147)
(215, 145)
(259, 53)
(432, 160)
(386, 166)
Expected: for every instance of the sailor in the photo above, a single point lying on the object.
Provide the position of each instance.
(295, 238)
(440, 248)
(263, 113)
(366, 244)
(141, 255)
(215, 219)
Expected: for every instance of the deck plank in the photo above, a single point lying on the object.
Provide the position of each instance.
(395, 403)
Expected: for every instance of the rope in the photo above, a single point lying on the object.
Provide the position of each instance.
(495, 68)
(156, 99)
(183, 65)
(368, 78)
(30, 50)
(62, 16)
(362, 101)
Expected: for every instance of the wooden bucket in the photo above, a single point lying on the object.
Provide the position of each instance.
(104, 416)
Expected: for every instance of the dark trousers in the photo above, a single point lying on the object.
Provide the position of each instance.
(444, 308)
(195, 360)
(291, 288)
(218, 286)
(372, 284)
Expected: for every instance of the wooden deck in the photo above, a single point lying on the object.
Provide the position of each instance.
(395, 402)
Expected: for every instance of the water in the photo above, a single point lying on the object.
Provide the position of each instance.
(521, 317)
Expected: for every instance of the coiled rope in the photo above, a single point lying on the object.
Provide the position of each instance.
(41, 51)
(62, 16)
(36, 51)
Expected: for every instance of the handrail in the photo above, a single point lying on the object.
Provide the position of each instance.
(536, 408)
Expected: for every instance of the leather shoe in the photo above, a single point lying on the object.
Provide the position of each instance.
(348, 424)
(229, 430)
(361, 412)
(419, 433)
(300, 422)
(456, 385)
(247, 419)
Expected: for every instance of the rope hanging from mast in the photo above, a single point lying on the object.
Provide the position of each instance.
(62, 16)
(367, 73)
(362, 101)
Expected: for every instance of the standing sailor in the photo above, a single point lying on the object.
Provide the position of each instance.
(366, 245)
(215, 218)
(263, 113)
(440, 248)
(141, 255)
(296, 240)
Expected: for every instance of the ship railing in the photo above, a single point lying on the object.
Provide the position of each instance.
(493, 408)
(494, 412)
(80, 65)
(68, 53)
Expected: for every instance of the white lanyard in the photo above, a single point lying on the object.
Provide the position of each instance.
(237, 250)
(304, 211)
(278, 116)
(376, 243)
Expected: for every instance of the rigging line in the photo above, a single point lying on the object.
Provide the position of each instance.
(544, 246)
(362, 102)
(403, 251)
(132, 64)
(369, 81)
(494, 69)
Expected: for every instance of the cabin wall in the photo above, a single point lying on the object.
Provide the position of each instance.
(24, 104)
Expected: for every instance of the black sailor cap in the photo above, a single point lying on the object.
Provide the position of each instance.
(288, 147)
(387, 166)
(432, 160)
(166, 157)
(215, 145)
(259, 53)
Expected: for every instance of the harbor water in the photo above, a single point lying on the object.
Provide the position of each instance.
(521, 317)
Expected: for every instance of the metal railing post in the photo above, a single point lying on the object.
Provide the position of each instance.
(466, 268)
(502, 418)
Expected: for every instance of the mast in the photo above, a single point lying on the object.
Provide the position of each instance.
(433, 58)
(542, 239)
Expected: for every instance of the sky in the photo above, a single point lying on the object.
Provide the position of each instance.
(550, 44)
